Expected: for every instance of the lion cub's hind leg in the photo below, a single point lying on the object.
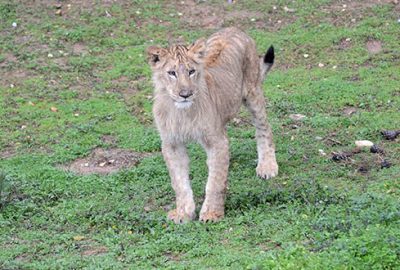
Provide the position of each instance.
(177, 161)
(267, 166)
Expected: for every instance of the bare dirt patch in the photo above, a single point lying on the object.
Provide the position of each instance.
(7, 152)
(93, 251)
(105, 161)
(344, 44)
(126, 86)
(9, 59)
(173, 256)
(108, 139)
(349, 12)
(79, 49)
(197, 14)
(374, 46)
(348, 111)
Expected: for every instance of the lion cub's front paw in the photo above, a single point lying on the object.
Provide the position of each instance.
(180, 216)
(267, 170)
(212, 216)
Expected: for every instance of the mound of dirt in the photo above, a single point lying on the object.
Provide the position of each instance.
(105, 161)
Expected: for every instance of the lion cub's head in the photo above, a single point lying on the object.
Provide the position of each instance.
(178, 70)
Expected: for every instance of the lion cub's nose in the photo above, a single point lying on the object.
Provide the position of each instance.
(185, 93)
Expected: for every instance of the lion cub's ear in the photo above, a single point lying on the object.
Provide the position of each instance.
(155, 55)
(198, 48)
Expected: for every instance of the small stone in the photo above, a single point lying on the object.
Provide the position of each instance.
(236, 121)
(23, 127)
(340, 156)
(12, 86)
(138, 12)
(253, 19)
(334, 67)
(50, 55)
(364, 143)
(348, 39)
(86, 164)
(363, 169)
(58, 12)
(14, 24)
(111, 161)
(180, 14)
(297, 117)
(353, 20)
(54, 109)
(290, 10)
(321, 65)
(385, 164)
(390, 134)
(376, 149)
(305, 55)
(76, 114)
(102, 164)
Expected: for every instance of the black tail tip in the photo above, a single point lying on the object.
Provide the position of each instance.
(269, 56)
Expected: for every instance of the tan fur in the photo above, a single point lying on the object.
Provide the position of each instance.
(227, 73)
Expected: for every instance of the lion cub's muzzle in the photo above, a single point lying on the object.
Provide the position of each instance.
(185, 93)
(186, 99)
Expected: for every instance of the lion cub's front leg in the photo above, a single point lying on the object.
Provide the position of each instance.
(217, 149)
(177, 161)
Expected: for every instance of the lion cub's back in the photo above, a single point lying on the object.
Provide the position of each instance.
(226, 59)
(227, 47)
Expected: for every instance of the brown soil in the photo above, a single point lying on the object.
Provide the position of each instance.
(196, 14)
(105, 161)
(92, 251)
(79, 48)
(108, 139)
(126, 86)
(349, 111)
(374, 46)
(7, 152)
(344, 44)
(349, 12)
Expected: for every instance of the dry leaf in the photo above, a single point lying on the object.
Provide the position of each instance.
(78, 237)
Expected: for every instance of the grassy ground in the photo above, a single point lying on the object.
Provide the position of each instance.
(78, 81)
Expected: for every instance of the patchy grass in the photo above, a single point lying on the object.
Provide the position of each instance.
(74, 83)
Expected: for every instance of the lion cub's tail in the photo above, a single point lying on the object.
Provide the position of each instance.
(266, 62)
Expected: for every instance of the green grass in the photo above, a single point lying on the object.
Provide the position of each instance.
(317, 214)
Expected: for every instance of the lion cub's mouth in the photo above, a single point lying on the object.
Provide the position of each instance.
(183, 104)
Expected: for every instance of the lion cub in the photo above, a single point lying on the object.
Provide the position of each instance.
(198, 89)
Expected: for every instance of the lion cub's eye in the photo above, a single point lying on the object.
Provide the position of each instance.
(172, 73)
(191, 72)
